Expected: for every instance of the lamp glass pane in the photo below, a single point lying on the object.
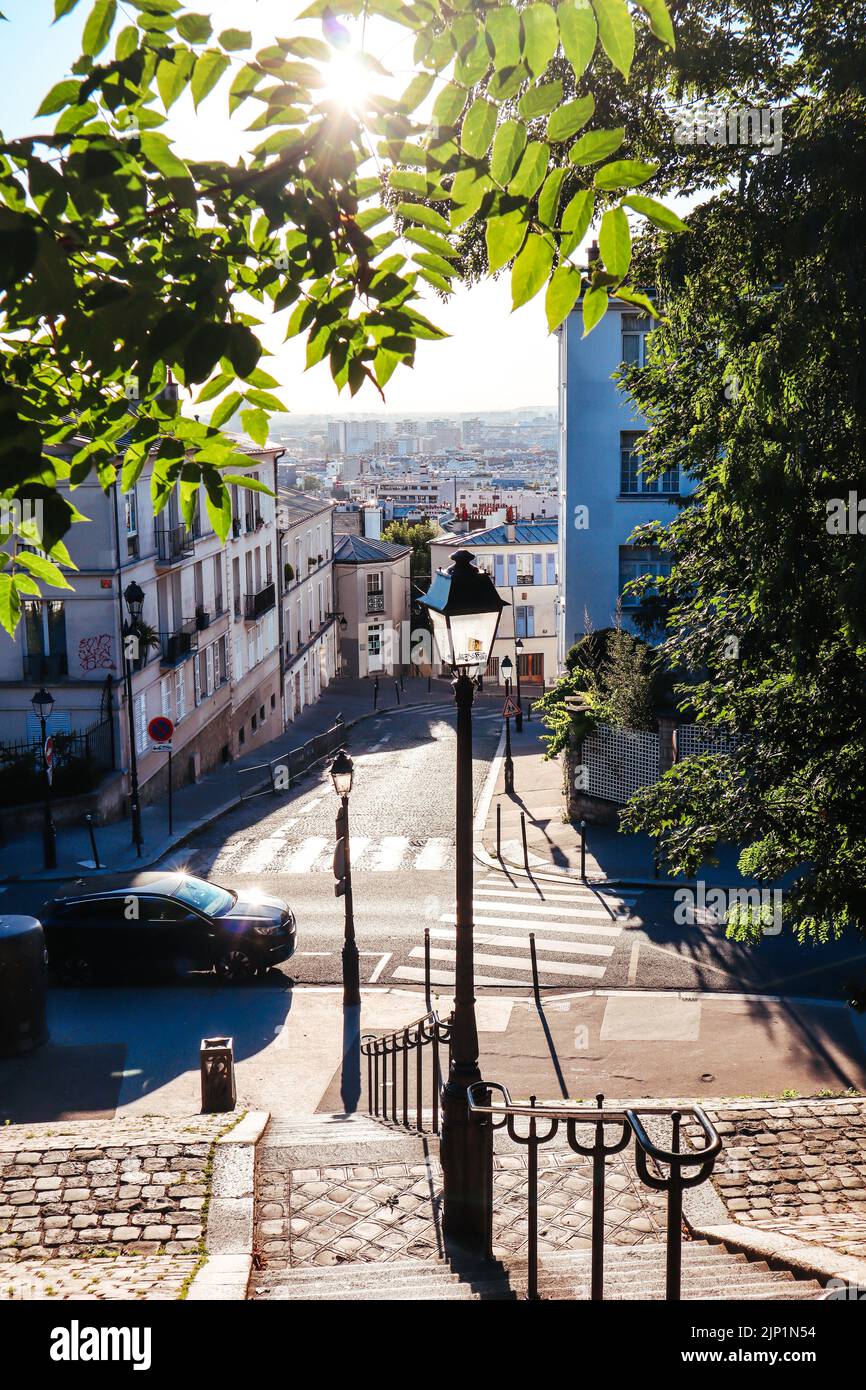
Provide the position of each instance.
(472, 635)
(441, 637)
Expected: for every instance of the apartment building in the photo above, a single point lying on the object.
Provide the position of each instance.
(521, 558)
(374, 596)
(603, 492)
(309, 622)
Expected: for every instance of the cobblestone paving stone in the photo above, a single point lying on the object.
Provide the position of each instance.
(380, 1212)
(797, 1168)
(98, 1204)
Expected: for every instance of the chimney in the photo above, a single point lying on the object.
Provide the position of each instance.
(372, 522)
(510, 532)
(592, 254)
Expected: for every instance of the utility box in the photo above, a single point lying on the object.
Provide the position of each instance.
(23, 1023)
(217, 1058)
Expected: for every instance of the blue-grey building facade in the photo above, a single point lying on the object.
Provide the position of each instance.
(603, 493)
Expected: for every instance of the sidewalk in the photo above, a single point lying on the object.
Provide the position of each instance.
(214, 794)
(553, 842)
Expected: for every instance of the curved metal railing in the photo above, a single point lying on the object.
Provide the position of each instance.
(428, 1031)
(671, 1165)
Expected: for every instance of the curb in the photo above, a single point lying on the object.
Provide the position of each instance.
(164, 846)
(784, 1252)
(230, 1220)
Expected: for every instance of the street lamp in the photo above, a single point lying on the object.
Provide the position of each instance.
(342, 769)
(506, 668)
(134, 597)
(464, 609)
(43, 704)
(518, 648)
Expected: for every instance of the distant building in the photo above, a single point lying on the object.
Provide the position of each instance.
(308, 627)
(373, 595)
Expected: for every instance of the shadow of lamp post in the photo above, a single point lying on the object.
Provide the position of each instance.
(465, 609)
(43, 704)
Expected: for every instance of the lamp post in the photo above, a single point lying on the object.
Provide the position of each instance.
(465, 609)
(341, 775)
(518, 723)
(43, 704)
(506, 668)
(134, 598)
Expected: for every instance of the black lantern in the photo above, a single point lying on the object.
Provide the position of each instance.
(342, 769)
(465, 609)
(43, 704)
(506, 666)
(134, 595)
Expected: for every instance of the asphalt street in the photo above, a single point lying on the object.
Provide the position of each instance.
(402, 827)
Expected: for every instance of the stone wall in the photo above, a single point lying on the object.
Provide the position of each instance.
(128, 1186)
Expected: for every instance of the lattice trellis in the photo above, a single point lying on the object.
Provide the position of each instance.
(618, 761)
(694, 739)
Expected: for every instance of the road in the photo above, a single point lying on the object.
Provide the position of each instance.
(402, 827)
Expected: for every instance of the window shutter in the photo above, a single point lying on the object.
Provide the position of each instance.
(551, 566)
(208, 656)
(537, 575)
(512, 569)
(499, 570)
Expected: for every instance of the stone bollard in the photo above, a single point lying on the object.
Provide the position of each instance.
(217, 1061)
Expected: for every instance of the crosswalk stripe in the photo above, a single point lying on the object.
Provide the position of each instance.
(305, 857)
(538, 909)
(433, 855)
(567, 948)
(487, 885)
(592, 972)
(357, 845)
(262, 854)
(580, 928)
(412, 974)
(391, 853)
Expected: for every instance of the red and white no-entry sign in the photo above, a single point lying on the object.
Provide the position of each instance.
(49, 758)
(160, 729)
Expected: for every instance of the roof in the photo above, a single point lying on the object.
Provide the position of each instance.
(298, 505)
(544, 532)
(363, 550)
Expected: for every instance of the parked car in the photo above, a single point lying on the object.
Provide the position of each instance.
(166, 917)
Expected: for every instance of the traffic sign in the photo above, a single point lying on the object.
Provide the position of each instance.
(49, 758)
(510, 709)
(160, 729)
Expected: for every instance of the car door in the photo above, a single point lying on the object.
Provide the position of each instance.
(176, 933)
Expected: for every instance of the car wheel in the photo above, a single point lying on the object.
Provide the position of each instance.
(236, 966)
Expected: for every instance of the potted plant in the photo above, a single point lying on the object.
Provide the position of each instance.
(148, 641)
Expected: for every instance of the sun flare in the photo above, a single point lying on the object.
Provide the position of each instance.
(347, 80)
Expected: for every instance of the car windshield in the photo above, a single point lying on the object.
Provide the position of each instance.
(207, 897)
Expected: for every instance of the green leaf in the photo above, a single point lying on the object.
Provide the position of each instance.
(624, 173)
(226, 409)
(533, 167)
(244, 480)
(171, 78)
(616, 32)
(548, 200)
(97, 30)
(594, 308)
(218, 503)
(540, 37)
(657, 213)
(235, 39)
(508, 146)
(156, 149)
(207, 72)
(614, 242)
(577, 31)
(569, 119)
(449, 104)
(418, 212)
(43, 569)
(576, 220)
(62, 7)
(530, 269)
(562, 293)
(503, 28)
(478, 127)
(422, 237)
(635, 297)
(214, 387)
(255, 422)
(504, 238)
(596, 145)
(195, 28)
(62, 94)
(538, 101)
(467, 194)
(10, 604)
(660, 20)
(417, 91)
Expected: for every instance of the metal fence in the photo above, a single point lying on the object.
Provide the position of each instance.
(692, 739)
(278, 775)
(94, 744)
(618, 761)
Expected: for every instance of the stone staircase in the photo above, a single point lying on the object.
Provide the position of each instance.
(631, 1273)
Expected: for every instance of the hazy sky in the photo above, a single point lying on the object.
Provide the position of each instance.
(494, 359)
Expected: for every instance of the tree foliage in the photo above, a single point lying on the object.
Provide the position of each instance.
(418, 535)
(121, 261)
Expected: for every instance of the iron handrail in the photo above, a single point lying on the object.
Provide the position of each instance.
(506, 1114)
(412, 1037)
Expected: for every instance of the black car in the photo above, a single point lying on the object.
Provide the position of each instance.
(166, 917)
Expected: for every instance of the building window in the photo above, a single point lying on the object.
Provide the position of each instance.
(485, 564)
(525, 569)
(251, 649)
(45, 639)
(636, 329)
(180, 693)
(636, 561)
(524, 620)
(491, 671)
(374, 583)
(217, 585)
(239, 659)
(632, 481)
(130, 511)
(165, 696)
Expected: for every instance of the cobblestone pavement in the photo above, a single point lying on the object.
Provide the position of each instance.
(391, 1211)
(797, 1168)
(125, 1277)
(108, 1209)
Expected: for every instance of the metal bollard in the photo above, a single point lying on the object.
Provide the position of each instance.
(217, 1062)
(376, 693)
(583, 850)
(397, 690)
(535, 988)
(89, 820)
(499, 830)
(525, 846)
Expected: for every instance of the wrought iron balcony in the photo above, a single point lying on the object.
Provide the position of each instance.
(178, 645)
(44, 667)
(258, 603)
(173, 544)
(376, 602)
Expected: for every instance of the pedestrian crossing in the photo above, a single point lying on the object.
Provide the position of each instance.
(576, 932)
(281, 854)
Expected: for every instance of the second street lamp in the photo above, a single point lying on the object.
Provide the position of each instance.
(465, 609)
(506, 669)
(134, 597)
(341, 775)
(43, 704)
(518, 723)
